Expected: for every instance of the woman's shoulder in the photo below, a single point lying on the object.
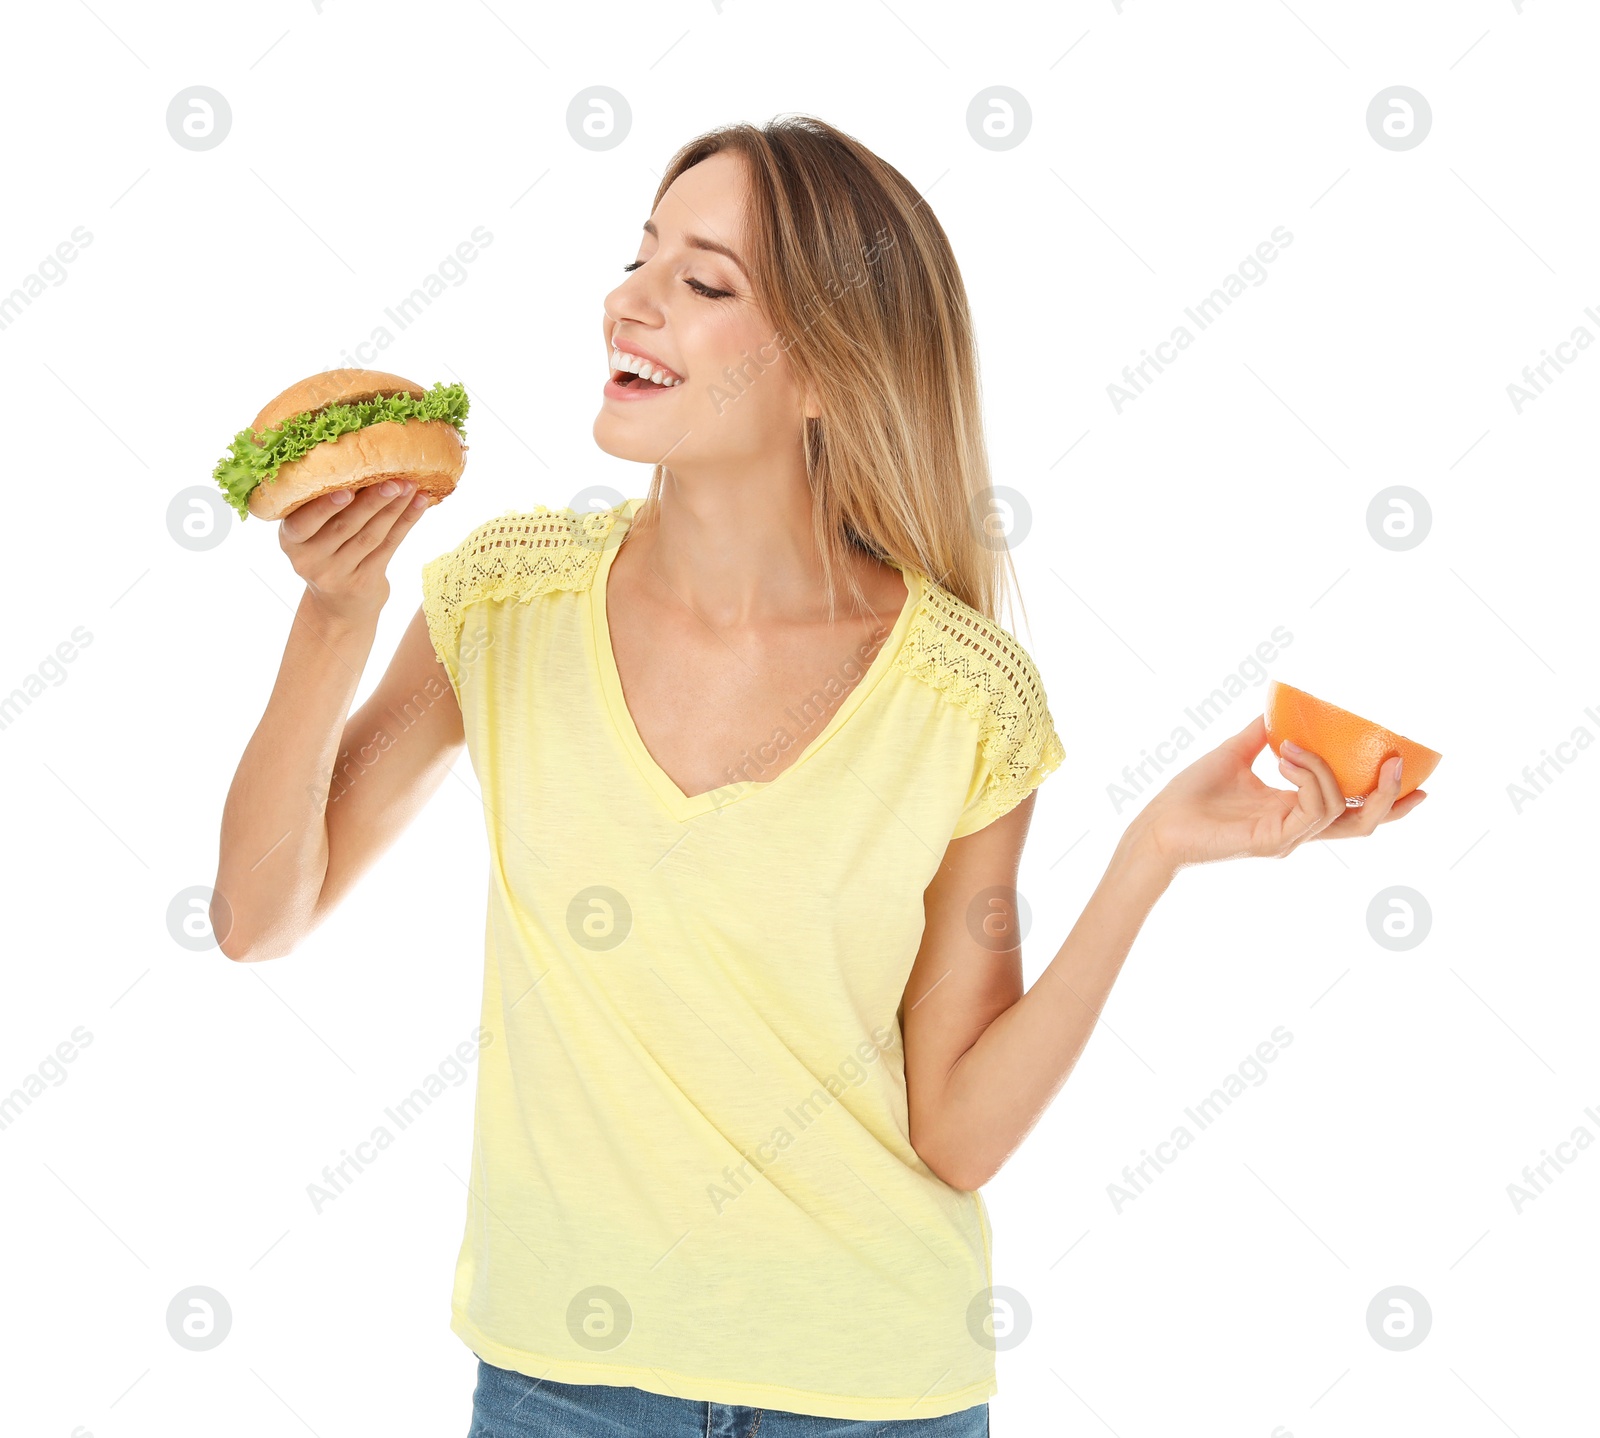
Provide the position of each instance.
(961, 651)
(981, 667)
(520, 554)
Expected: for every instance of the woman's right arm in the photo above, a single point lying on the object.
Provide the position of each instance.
(318, 796)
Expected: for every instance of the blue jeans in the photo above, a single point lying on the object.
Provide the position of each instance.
(512, 1405)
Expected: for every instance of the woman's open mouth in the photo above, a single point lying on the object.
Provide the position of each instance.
(634, 377)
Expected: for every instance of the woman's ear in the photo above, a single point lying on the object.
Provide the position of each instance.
(812, 409)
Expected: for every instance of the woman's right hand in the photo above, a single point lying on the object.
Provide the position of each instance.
(340, 543)
(290, 847)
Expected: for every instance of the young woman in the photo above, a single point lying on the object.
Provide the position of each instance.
(757, 765)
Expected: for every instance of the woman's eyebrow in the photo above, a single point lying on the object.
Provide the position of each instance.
(699, 242)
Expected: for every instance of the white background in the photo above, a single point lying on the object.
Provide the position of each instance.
(1166, 142)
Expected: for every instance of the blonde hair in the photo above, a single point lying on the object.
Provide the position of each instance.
(863, 290)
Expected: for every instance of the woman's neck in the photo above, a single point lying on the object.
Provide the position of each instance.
(736, 553)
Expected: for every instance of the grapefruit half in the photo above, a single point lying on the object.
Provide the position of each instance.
(1355, 748)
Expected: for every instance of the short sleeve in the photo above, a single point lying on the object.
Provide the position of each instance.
(1018, 746)
(444, 600)
(518, 556)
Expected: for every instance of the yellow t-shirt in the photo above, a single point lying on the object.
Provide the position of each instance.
(691, 1168)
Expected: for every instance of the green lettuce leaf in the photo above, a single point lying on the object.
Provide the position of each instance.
(256, 458)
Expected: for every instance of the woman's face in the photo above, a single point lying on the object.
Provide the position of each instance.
(731, 400)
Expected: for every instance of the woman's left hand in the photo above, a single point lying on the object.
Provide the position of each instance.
(1218, 809)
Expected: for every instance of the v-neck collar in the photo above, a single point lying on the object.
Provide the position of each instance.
(683, 807)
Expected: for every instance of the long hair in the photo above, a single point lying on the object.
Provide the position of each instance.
(865, 298)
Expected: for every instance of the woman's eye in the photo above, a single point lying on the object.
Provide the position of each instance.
(695, 285)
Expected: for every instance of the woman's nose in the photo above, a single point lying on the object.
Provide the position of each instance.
(618, 306)
(635, 298)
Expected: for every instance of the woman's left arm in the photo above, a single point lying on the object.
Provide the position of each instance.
(983, 1058)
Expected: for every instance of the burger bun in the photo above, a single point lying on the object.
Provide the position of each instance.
(429, 453)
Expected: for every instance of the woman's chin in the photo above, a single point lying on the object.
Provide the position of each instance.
(621, 440)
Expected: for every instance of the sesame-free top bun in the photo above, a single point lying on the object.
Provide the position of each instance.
(428, 452)
(334, 386)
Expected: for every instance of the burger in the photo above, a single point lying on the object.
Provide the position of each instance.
(345, 429)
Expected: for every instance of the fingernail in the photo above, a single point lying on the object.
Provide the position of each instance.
(1399, 764)
(1290, 747)
(420, 502)
(341, 496)
(389, 488)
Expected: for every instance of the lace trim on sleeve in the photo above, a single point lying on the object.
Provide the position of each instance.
(976, 664)
(518, 556)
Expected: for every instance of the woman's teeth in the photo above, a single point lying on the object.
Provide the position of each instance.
(632, 364)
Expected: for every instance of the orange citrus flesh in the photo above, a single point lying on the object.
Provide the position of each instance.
(1354, 748)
